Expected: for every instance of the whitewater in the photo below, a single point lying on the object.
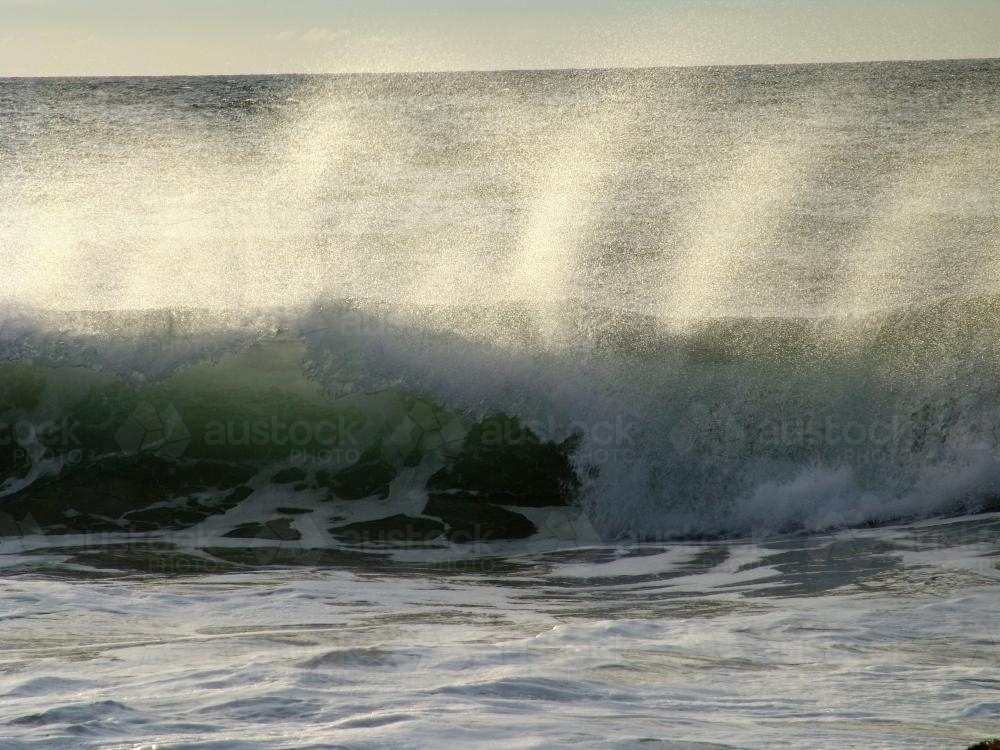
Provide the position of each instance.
(605, 408)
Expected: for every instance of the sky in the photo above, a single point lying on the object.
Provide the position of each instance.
(163, 37)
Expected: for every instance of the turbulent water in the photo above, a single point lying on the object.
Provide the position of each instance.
(643, 395)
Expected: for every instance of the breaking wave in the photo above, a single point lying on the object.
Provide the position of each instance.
(456, 420)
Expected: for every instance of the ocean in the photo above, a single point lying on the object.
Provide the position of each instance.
(645, 408)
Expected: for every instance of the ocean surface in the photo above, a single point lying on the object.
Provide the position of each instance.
(611, 408)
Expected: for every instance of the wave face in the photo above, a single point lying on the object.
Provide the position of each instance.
(681, 302)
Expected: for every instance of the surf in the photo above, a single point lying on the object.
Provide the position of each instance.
(487, 294)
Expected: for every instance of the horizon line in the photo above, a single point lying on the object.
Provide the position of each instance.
(456, 71)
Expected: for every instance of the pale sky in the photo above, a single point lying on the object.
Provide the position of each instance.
(143, 37)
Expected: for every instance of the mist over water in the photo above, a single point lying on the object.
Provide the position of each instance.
(683, 193)
(780, 281)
